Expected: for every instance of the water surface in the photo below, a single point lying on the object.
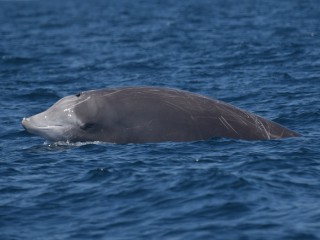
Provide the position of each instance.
(259, 55)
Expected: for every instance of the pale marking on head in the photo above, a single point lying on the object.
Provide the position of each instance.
(72, 106)
(108, 94)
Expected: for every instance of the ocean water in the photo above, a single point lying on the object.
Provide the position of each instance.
(263, 56)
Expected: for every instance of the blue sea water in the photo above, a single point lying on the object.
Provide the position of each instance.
(263, 56)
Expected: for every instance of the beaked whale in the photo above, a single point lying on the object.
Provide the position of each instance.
(148, 114)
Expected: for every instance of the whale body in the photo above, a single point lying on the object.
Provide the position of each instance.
(148, 114)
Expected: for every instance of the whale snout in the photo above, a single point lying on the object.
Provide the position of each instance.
(41, 125)
(25, 122)
(34, 124)
(29, 125)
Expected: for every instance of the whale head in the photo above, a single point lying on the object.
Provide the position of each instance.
(62, 121)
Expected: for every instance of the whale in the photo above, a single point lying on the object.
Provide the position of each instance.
(148, 115)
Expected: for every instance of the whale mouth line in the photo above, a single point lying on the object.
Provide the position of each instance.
(47, 127)
(28, 124)
(44, 127)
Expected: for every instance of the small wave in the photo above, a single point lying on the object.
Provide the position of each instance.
(97, 174)
(40, 93)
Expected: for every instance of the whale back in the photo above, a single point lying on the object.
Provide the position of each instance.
(149, 114)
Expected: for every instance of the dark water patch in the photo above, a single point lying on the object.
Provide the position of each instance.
(40, 94)
(18, 60)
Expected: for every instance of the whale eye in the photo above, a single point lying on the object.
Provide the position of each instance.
(78, 95)
(87, 126)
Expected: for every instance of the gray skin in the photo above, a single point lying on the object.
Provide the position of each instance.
(148, 114)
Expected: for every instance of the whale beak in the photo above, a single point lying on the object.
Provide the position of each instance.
(25, 122)
(31, 126)
(37, 125)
